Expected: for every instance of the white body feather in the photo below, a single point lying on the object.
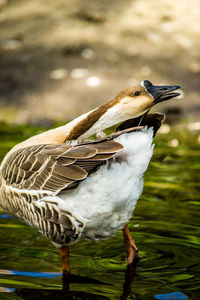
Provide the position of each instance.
(105, 201)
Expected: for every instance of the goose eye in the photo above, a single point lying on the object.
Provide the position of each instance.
(137, 93)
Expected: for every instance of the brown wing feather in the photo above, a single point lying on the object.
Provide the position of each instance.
(55, 167)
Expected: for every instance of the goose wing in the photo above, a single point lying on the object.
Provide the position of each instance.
(56, 167)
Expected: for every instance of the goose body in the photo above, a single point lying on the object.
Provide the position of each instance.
(97, 208)
(111, 193)
(68, 187)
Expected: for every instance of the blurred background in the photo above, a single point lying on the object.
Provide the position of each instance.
(61, 58)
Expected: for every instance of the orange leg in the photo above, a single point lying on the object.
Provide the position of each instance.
(132, 250)
(64, 254)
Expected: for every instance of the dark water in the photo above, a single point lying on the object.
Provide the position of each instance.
(165, 227)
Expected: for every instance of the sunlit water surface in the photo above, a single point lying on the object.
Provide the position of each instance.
(165, 227)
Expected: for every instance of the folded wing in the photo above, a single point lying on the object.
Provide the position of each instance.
(56, 167)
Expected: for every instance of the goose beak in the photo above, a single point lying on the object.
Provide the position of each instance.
(160, 93)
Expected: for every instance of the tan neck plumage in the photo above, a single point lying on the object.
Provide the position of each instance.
(82, 127)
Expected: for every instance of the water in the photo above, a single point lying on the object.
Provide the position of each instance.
(165, 227)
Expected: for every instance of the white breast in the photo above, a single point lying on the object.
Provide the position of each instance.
(106, 199)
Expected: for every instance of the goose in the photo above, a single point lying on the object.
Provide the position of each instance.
(69, 186)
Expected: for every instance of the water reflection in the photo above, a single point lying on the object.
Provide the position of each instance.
(31, 294)
(129, 276)
(6, 217)
(175, 296)
(68, 279)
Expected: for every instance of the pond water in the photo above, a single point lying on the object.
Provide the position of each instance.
(165, 226)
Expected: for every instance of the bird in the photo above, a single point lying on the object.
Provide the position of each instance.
(71, 186)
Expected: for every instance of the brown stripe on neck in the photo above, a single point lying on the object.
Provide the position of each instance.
(85, 124)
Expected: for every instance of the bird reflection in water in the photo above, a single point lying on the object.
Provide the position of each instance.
(66, 293)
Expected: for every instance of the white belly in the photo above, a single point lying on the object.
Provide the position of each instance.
(106, 199)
